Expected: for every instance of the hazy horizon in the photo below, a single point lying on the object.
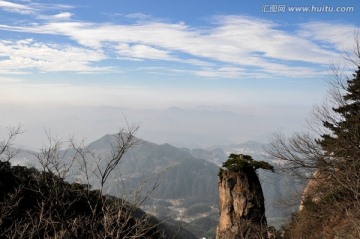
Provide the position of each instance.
(183, 127)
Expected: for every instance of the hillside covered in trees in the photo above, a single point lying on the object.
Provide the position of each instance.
(329, 157)
(38, 203)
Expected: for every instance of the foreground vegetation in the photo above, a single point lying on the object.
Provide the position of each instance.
(328, 156)
(39, 203)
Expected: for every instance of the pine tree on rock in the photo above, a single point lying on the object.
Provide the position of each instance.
(345, 139)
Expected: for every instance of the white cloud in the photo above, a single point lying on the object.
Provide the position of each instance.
(222, 72)
(232, 41)
(57, 17)
(15, 7)
(26, 55)
(251, 35)
(140, 16)
(340, 36)
(143, 52)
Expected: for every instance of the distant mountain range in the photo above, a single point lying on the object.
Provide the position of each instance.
(190, 127)
(188, 180)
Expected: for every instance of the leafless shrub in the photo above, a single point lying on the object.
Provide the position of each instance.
(63, 210)
(7, 152)
(328, 159)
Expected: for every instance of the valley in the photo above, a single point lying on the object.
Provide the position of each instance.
(180, 184)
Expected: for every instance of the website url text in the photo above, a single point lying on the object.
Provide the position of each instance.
(313, 8)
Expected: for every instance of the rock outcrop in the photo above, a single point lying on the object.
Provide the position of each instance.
(312, 192)
(241, 205)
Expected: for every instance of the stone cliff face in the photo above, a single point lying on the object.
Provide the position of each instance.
(311, 191)
(241, 205)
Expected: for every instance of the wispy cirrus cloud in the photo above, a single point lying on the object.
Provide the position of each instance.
(26, 55)
(57, 17)
(237, 45)
(31, 7)
(16, 7)
(337, 35)
(143, 52)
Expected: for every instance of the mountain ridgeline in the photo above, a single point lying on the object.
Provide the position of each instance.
(179, 185)
(189, 181)
(183, 176)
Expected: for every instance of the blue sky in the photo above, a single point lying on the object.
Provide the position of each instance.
(154, 54)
